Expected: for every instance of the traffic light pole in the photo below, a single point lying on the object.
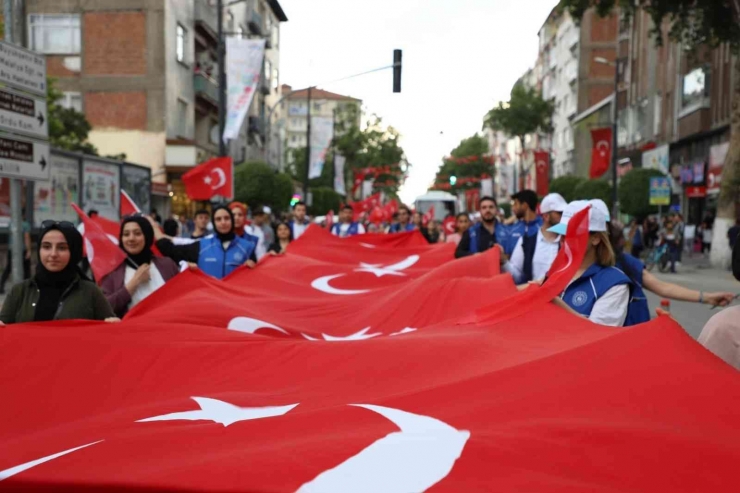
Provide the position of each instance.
(308, 149)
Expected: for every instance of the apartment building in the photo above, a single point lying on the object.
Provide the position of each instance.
(144, 73)
(323, 103)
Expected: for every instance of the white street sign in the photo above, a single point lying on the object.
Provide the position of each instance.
(23, 114)
(22, 69)
(23, 158)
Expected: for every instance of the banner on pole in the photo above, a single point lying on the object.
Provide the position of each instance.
(486, 187)
(322, 131)
(339, 185)
(243, 68)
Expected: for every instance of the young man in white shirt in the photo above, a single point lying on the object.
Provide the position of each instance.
(346, 227)
(533, 255)
(299, 224)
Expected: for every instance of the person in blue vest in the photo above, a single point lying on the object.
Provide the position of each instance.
(346, 226)
(534, 254)
(219, 254)
(527, 224)
(599, 291)
(299, 223)
(404, 221)
(239, 210)
(483, 235)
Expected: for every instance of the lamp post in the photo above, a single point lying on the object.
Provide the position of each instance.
(617, 64)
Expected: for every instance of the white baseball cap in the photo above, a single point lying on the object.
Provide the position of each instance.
(599, 204)
(553, 202)
(596, 217)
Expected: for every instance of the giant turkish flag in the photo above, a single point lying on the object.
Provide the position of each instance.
(278, 379)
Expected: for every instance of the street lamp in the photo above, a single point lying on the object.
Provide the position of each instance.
(615, 129)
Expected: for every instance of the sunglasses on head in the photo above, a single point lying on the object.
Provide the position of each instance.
(60, 224)
(135, 214)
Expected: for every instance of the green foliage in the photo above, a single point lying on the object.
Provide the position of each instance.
(68, 128)
(256, 183)
(477, 145)
(325, 199)
(566, 186)
(474, 147)
(692, 22)
(525, 113)
(595, 189)
(634, 192)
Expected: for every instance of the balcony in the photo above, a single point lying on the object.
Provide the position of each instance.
(206, 88)
(255, 24)
(256, 126)
(206, 19)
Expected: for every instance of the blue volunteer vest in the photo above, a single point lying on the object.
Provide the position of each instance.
(396, 228)
(219, 263)
(354, 229)
(251, 239)
(582, 293)
(639, 310)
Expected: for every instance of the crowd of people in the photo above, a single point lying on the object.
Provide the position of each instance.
(608, 288)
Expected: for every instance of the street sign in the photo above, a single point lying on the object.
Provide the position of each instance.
(23, 158)
(22, 69)
(23, 114)
(660, 191)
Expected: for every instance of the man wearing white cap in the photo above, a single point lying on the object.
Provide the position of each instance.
(533, 255)
(599, 290)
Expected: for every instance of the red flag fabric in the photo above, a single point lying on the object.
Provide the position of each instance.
(542, 165)
(128, 206)
(214, 177)
(472, 197)
(601, 154)
(427, 216)
(101, 244)
(379, 390)
(449, 225)
(329, 219)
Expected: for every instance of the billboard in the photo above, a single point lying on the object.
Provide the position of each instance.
(53, 199)
(136, 181)
(101, 188)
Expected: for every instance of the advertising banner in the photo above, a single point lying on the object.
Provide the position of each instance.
(53, 199)
(322, 131)
(660, 191)
(101, 188)
(137, 183)
(243, 68)
(339, 185)
(717, 155)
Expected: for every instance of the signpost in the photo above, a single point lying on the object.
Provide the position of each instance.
(24, 130)
(660, 193)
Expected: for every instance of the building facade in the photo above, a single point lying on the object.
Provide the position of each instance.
(323, 104)
(145, 75)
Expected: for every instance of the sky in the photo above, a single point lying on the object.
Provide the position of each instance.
(460, 58)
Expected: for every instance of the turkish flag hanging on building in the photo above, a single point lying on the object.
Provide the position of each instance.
(542, 166)
(601, 154)
(101, 245)
(214, 177)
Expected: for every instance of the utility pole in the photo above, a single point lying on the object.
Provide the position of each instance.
(221, 55)
(308, 148)
(16, 218)
(615, 140)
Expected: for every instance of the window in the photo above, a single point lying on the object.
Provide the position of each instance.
(182, 118)
(275, 35)
(54, 33)
(268, 71)
(695, 87)
(71, 101)
(293, 138)
(181, 42)
(316, 107)
(275, 79)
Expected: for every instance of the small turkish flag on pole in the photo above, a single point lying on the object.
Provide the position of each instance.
(428, 216)
(128, 206)
(101, 247)
(542, 167)
(601, 154)
(214, 177)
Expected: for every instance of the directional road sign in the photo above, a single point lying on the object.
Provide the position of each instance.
(22, 69)
(23, 114)
(23, 158)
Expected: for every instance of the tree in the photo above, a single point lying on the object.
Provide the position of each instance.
(525, 113)
(634, 192)
(256, 183)
(595, 189)
(694, 23)
(566, 186)
(467, 163)
(325, 199)
(68, 128)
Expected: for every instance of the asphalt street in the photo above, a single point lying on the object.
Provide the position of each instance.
(695, 274)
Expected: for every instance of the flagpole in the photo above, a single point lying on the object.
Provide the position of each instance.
(308, 149)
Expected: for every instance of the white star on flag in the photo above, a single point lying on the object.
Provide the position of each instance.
(207, 180)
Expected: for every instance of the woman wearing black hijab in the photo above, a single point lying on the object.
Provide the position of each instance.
(142, 273)
(217, 255)
(58, 291)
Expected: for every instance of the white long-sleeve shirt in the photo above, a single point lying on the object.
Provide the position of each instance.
(611, 308)
(544, 255)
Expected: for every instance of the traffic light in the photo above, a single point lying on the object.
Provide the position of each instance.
(396, 70)
(453, 180)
